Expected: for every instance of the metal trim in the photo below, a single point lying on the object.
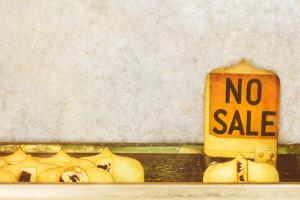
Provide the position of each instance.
(145, 148)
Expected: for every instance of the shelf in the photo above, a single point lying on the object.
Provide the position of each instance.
(149, 191)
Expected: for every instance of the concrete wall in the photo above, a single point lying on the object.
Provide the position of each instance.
(134, 71)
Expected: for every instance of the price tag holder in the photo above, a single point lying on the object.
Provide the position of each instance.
(242, 113)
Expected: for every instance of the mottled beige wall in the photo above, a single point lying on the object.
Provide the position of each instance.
(133, 71)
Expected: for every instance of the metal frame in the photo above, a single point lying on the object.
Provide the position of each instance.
(155, 148)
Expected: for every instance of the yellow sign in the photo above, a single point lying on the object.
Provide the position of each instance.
(241, 112)
(244, 105)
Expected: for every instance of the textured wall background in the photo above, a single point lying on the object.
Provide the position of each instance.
(134, 71)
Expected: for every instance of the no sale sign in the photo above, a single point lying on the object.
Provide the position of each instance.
(244, 105)
(241, 112)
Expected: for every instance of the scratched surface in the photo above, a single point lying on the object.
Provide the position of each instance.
(191, 167)
(110, 71)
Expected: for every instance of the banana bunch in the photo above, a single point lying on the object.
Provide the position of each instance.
(105, 167)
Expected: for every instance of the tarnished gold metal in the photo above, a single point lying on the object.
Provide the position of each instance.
(97, 148)
(162, 148)
(266, 155)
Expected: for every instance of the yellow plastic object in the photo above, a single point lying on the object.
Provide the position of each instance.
(7, 177)
(242, 113)
(241, 170)
(27, 170)
(123, 169)
(63, 159)
(18, 156)
(2, 162)
(75, 172)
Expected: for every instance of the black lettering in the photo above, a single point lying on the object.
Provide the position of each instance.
(258, 97)
(239, 126)
(248, 128)
(240, 171)
(265, 123)
(230, 87)
(221, 122)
